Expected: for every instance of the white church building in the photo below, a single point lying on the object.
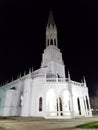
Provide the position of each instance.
(46, 92)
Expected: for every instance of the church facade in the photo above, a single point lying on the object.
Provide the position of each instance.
(46, 92)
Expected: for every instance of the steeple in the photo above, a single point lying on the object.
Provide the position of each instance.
(51, 31)
(50, 19)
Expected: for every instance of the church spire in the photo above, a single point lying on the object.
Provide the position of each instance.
(51, 32)
(50, 19)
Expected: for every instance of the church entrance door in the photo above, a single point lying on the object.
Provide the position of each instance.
(59, 107)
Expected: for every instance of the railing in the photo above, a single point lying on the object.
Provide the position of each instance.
(56, 79)
(64, 80)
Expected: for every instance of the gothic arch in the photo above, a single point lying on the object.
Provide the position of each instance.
(66, 100)
(51, 102)
(59, 106)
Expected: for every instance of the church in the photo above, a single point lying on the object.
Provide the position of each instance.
(46, 92)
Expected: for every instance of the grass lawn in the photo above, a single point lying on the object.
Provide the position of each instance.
(1, 128)
(88, 125)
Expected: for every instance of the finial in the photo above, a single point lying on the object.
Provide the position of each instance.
(84, 79)
(81, 81)
(32, 68)
(12, 79)
(29, 70)
(69, 75)
(24, 72)
(20, 75)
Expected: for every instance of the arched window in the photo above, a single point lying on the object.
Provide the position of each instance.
(79, 108)
(40, 104)
(51, 42)
(87, 103)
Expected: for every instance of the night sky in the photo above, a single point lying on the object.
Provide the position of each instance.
(22, 37)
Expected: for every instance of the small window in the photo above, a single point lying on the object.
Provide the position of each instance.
(40, 104)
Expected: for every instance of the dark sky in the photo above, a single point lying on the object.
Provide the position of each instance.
(22, 37)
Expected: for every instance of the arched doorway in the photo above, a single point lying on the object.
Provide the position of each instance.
(51, 103)
(59, 107)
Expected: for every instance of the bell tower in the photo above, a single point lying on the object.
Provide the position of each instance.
(51, 32)
(52, 57)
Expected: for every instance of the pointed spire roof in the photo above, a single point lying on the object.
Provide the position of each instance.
(51, 19)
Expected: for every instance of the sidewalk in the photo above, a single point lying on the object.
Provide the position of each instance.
(42, 124)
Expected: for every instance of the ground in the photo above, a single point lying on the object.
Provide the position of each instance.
(42, 124)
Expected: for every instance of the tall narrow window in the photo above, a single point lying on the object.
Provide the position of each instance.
(60, 103)
(87, 103)
(79, 108)
(55, 42)
(48, 42)
(40, 104)
(57, 107)
(51, 42)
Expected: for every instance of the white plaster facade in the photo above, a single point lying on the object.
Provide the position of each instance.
(46, 92)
